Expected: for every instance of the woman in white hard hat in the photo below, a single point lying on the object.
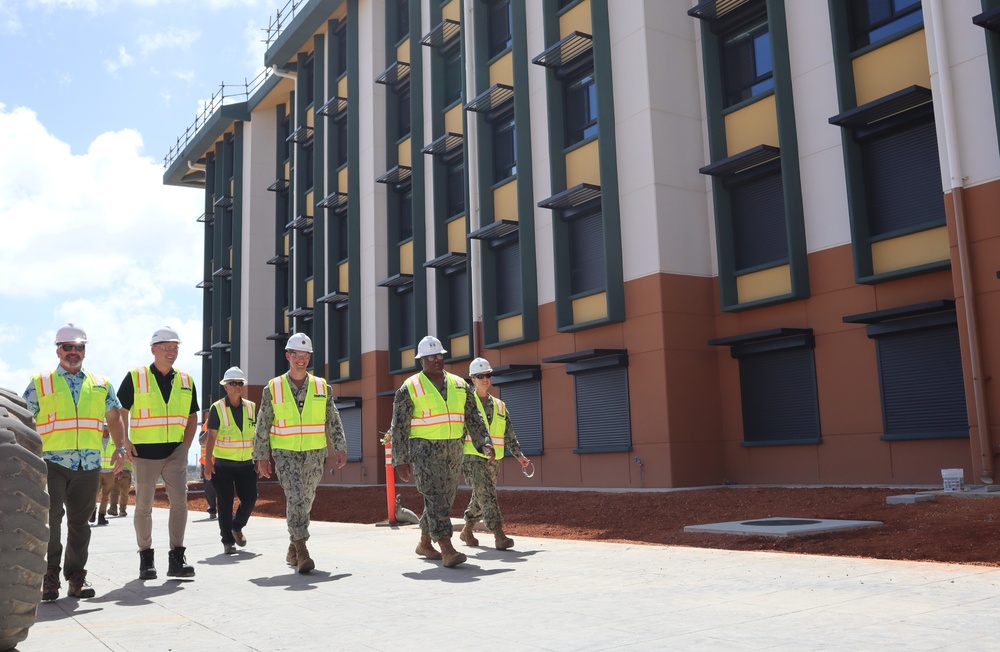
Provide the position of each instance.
(481, 471)
(229, 463)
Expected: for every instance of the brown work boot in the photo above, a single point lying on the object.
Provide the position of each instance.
(305, 563)
(451, 556)
(241, 540)
(79, 587)
(502, 541)
(426, 548)
(290, 557)
(50, 584)
(467, 536)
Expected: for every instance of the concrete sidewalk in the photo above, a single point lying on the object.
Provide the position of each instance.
(370, 592)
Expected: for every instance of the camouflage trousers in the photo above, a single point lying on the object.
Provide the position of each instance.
(481, 474)
(437, 467)
(299, 473)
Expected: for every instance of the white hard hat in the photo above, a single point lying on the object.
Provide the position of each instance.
(479, 366)
(299, 342)
(430, 345)
(165, 334)
(71, 333)
(233, 373)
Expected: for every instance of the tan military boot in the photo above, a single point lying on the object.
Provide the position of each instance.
(305, 563)
(290, 557)
(451, 556)
(467, 536)
(426, 548)
(502, 540)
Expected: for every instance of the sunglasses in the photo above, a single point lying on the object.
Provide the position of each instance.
(482, 376)
(168, 349)
(73, 347)
(234, 383)
(434, 358)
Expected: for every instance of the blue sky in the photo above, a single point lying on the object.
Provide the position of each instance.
(94, 95)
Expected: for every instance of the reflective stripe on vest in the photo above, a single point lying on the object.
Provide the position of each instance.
(154, 421)
(65, 425)
(293, 430)
(106, 452)
(433, 418)
(231, 443)
(497, 428)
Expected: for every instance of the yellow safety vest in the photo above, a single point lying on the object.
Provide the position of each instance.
(106, 453)
(293, 430)
(231, 443)
(154, 421)
(497, 428)
(433, 418)
(64, 425)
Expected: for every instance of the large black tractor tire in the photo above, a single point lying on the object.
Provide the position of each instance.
(24, 520)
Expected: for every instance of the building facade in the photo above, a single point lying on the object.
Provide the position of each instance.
(746, 241)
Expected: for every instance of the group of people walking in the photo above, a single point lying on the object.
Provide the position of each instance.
(442, 426)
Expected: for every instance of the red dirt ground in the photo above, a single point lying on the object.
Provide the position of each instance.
(952, 529)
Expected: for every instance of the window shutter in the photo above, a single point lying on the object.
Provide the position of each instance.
(586, 246)
(351, 417)
(458, 293)
(602, 410)
(903, 176)
(922, 386)
(508, 277)
(759, 232)
(524, 401)
(778, 393)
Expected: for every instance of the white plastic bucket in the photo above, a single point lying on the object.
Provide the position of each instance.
(953, 479)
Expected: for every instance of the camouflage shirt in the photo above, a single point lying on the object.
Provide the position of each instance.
(402, 412)
(265, 417)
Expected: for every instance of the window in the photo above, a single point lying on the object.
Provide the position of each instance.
(403, 111)
(402, 19)
(406, 214)
(874, 20)
(452, 75)
(902, 177)
(307, 82)
(524, 402)
(586, 253)
(508, 277)
(340, 129)
(455, 181)
(580, 104)
(343, 340)
(778, 395)
(758, 218)
(341, 45)
(406, 322)
(350, 417)
(307, 253)
(457, 279)
(920, 377)
(602, 409)
(504, 148)
(306, 157)
(746, 61)
(343, 233)
(501, 21)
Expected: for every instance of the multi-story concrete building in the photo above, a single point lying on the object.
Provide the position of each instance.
(751, 241)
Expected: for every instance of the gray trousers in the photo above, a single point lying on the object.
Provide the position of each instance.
(173, 470)
(71, 493)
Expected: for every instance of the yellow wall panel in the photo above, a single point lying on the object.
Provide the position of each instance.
(229, 329)
(458, 347)
(286, 323)
(457, 242)
(403, 153)
(310, 203)
(309, 293)
(287, 243)
(907, 251)
(288, 171)
(406, 258)
(767, 283)
(452, 11)
(406, 358)
(453, 120)
(343, 276)
(505, 201)
(590, 308)
(340, 13)
(403, 51)
(310, 117)
(582, 165)
(342, 87)
(502, 71)
(752, 125)
(342, 178)
(576, 19)
(892, 67)
(510, 328)
(345, 368)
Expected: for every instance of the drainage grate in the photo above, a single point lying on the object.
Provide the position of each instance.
(781, 522)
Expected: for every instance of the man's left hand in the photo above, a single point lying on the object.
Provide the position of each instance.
(340, 459)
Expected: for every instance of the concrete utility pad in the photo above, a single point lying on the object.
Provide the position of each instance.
(781, 526)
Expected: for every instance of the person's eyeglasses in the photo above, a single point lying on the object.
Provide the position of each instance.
(433, 358)
(299, 354)
(73, 347)
(234, 383)
(483, 376)
(168, 349)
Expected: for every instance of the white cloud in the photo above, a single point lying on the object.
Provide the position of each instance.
(175, 38)
(124, 60)
(100, 241)
(9, 21)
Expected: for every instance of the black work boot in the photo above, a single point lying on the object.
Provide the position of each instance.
(177, 567)
(147, 571)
